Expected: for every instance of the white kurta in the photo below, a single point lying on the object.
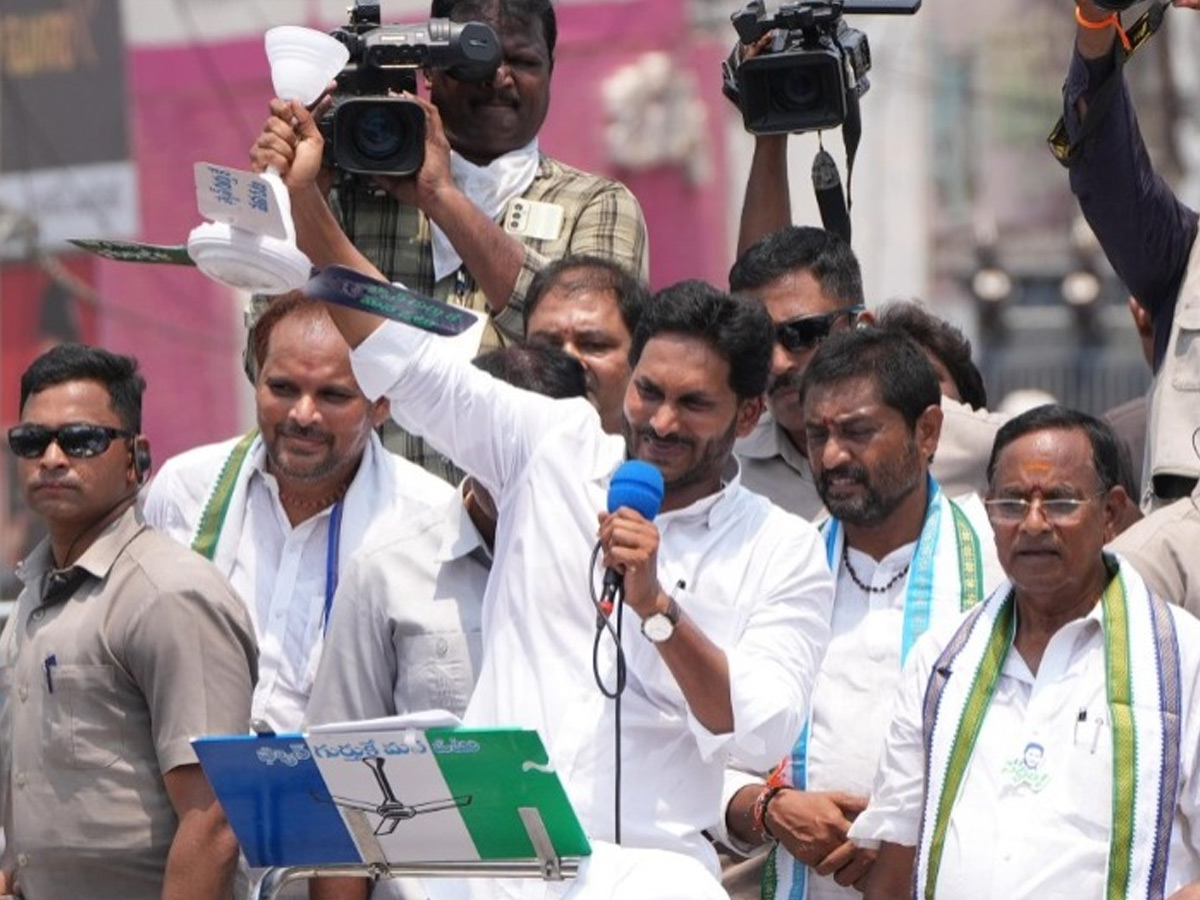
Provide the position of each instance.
(1033, 815)
(755, 581)
(852, 699)
(279, 571)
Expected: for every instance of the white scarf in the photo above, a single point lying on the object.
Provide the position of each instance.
(369, 493)
(490, 188)
(944, 579)
(1143, 690)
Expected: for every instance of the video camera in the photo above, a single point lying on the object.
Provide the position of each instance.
(368, 132)
(814, 69)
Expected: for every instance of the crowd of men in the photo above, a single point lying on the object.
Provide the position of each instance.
(882, 640)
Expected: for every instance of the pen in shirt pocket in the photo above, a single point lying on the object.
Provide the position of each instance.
(48, 665)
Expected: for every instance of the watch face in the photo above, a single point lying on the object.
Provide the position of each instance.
(657, 627)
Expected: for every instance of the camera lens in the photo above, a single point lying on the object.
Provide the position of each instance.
(795, 90)
(378, 133)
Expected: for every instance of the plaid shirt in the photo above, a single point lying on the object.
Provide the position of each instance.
(600, 217)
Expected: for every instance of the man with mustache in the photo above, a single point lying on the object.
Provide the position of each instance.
(725, 596)
(589, 306)
(1044, 746)
(810, 282)
(904, 556)
(281, 509)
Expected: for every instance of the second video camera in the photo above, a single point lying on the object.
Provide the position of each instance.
(815, 66)
(370, 132)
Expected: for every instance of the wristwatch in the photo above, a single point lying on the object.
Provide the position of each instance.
(659, 626)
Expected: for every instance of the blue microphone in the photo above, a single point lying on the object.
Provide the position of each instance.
(638, 486)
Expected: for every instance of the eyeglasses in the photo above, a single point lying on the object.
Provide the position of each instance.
(805, 332)
(1015, 509)
(79, 439)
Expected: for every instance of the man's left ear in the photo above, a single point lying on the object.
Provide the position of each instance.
(929, 431)
(747, 415)
(1118, 514)
(381, 409)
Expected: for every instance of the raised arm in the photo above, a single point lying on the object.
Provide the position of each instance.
(291, 144)
(1145, 231)
(767, 204)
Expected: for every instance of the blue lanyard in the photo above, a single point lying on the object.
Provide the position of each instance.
(331, 562)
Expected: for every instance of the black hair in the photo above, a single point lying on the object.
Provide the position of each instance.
(944, 341)
(801, 248)
(736, 327)
(899, 368)
(80, 362)
(525, 11)
(1106, 453)
(536, 367)
(581, 272)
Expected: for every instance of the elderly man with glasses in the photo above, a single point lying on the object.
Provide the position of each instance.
(1045, 745)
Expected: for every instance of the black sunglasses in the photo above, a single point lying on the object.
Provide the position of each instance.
(79, 439)
(805, 332)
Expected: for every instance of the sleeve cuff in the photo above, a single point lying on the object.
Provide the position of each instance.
(874, 826)
(735, 780)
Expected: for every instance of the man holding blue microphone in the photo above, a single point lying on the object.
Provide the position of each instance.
(729, 597)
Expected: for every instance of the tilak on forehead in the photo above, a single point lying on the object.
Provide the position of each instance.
(1035, 467)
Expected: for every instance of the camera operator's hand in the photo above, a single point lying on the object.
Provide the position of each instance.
(433, 178)
(291, 144)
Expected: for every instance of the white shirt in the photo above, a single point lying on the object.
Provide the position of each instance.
(404, 634)
(756, 584)
(279, 571)
(1005, 841)
(853, 698)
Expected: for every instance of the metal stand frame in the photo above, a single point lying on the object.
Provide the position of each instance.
(546, 865)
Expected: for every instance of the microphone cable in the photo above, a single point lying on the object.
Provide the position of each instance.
(604, 623)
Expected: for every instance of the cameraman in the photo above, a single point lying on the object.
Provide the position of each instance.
(440, 230)
(1149, 237)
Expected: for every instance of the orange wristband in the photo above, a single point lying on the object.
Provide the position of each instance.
(1112, 20)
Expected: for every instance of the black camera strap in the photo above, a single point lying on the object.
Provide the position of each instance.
(833, 205)
(1061, 145)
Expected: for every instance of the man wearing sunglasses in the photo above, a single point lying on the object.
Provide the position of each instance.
(122, 647)
(811, 285)
(1045, 745)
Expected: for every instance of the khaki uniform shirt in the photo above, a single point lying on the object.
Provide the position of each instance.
(107, 670)
(1164, 548)
(774, 467)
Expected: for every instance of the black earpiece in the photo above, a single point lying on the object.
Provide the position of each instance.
(141, 459)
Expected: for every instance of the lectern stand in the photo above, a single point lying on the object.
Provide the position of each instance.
(395, 802)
